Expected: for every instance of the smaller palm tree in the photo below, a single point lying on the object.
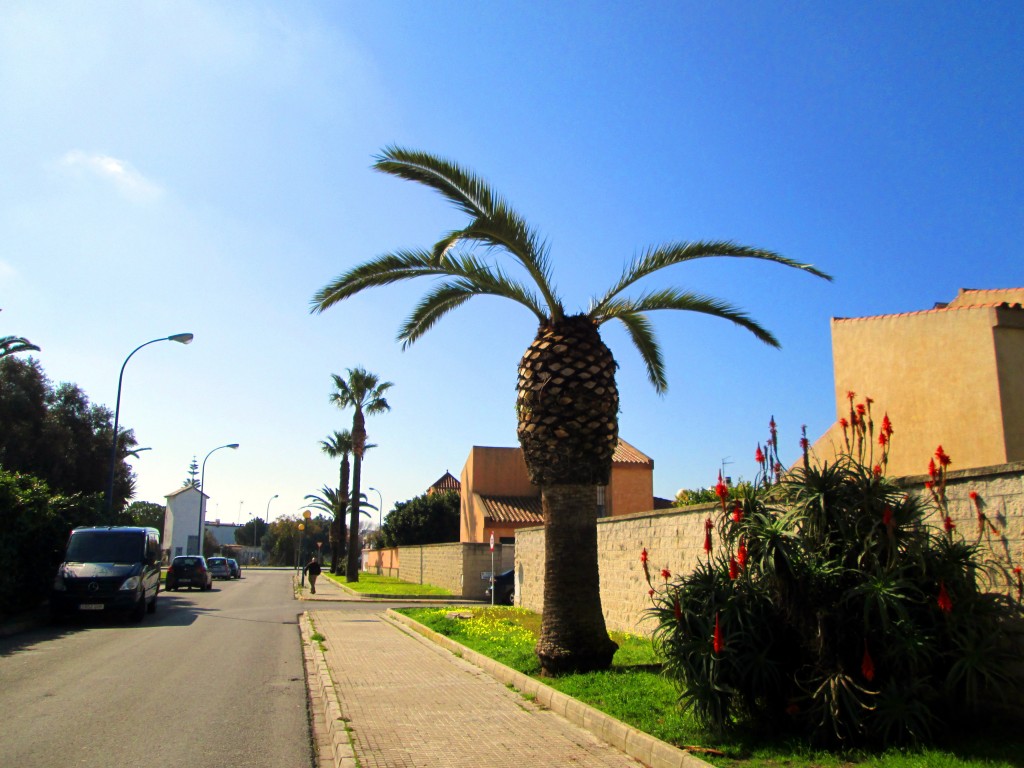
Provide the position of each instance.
(334, 502)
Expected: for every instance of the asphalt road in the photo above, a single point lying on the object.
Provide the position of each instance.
(213, 678)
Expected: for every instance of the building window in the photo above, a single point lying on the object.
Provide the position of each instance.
(601, 506)
(177, 551)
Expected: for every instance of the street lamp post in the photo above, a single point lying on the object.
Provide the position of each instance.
(380, 508)
(255, 533)
(181, 338)
(202, 492)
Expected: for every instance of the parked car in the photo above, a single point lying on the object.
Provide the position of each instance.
(236, 569)
(188, 571)
(219, 568)
(504, 588)
(108, 569)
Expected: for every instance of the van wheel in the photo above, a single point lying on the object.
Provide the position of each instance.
(138, 612)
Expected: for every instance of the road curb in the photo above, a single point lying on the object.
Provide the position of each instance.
(635, 743)
(333, 747)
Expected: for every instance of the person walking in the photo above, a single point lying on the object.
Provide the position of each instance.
(312, 569)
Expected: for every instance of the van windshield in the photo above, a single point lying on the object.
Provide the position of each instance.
(105, 547)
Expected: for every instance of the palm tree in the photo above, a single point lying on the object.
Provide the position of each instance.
(364, 393)
(11, 345)
(339, 445)
(567, 401)
(333, 501)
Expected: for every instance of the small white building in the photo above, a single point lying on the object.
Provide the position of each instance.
(181, 523)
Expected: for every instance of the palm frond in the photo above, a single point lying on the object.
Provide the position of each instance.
(382, 270)
(642, 334)
(494, 222)
(11, 345)
(659, 257)
(672, 298)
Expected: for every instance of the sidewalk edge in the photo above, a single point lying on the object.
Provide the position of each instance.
(333, 749)
(635, 743)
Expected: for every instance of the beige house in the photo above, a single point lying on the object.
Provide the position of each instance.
(497, 495)
(952, 376)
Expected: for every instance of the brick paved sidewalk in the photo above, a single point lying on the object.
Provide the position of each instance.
(410, 703)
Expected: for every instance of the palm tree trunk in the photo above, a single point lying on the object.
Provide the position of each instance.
(573, 637)
(343, 492)
(352, 566)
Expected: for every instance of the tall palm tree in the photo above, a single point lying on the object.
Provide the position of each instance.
(339, 445)
(363, 392)
(567, 401)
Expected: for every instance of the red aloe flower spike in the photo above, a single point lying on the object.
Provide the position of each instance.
(737, 512)
(707, 535)
(867, 664)
(945, 603)
(877, 470)
(758, 456)
(741, 554)
(887, 425)
(721, 491)
(717, 643)
(677, 609)
(666, 574)
(844, 423)
(932, 469)
(940, 454)
(861, 409)
(850, 395)
(643, 555)
(734, 569)
(650, 592)
(948, 524)
(883, 438)
(973, 495)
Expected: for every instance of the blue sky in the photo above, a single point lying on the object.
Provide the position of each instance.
(205, 167)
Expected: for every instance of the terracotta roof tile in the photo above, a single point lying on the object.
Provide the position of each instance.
(513, 509)
(447, 482)
(627, 454)
(937, 310)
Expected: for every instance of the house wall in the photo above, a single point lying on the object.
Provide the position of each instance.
(180, 521)
(674, 539)
(492, 472)
(1009, 344)
(935, 374)
(630, 489)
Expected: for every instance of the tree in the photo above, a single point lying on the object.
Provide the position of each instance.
(428, 519)
(338, 445)
(334, 502)
(192, 481)
(146, 514)
(363, 392)
(57, 435)
(568, 402)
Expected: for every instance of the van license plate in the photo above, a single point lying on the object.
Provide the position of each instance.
(91, 606)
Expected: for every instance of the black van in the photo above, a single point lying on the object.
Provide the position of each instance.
(112, 569)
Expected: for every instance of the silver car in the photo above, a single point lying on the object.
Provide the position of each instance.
(219, 568)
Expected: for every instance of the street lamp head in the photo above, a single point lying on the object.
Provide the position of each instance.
(231, 445)
(181, 338)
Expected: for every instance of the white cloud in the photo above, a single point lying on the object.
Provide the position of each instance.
(128, 181)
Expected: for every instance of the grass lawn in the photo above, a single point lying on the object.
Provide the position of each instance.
(386, 585)
(634, 691)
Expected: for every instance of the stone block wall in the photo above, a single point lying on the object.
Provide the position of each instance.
(456, 567)
(674, 540)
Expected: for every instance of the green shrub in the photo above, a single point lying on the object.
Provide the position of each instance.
(827, 606)
(34, 528)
